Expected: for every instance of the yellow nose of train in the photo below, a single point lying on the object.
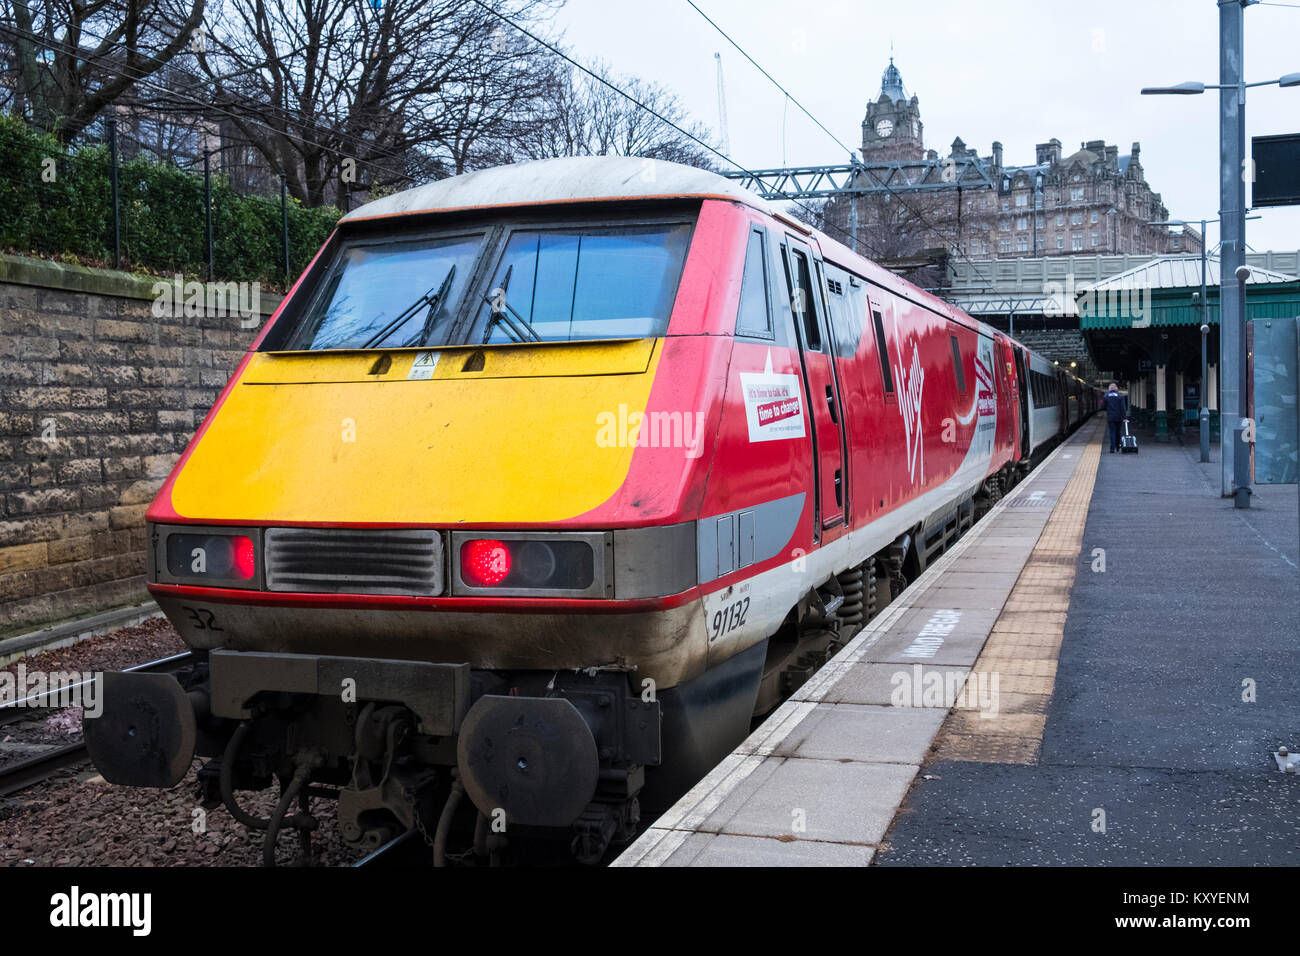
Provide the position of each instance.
(441, 437)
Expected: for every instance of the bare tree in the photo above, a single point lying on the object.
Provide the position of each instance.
(73, 58)
(586, 117)
(501, 95)
(374, 94)
(813, 213)
(895, 225)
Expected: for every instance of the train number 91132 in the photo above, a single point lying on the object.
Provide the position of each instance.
(729, 618)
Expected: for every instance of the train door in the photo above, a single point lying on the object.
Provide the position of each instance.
(890, 474)
(834, 327)
(1004, 396)
(1022, 382)
(1062, 410)
(819, 381)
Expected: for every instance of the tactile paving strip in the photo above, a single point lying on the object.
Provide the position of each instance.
(843, 756)
(1023, 647)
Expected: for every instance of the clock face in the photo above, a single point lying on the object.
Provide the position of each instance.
(885, 128)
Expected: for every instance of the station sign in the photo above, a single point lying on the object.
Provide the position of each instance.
(1276, 161)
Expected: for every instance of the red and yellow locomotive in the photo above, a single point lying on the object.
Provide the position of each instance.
(540, 487)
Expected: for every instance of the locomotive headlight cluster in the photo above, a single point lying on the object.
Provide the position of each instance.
(516, 563)
(204, 557)
(416, 562)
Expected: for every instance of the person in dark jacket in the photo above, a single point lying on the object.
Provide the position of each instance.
(1116, 413)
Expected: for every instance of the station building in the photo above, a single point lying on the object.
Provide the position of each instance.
(1131, 319)
(1145, 326)
(1092, 200)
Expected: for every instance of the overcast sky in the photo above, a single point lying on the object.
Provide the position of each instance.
(1017, 71)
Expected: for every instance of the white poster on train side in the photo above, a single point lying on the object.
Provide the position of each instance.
(773, 404)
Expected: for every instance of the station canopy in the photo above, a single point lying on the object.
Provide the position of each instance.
(1161, 292)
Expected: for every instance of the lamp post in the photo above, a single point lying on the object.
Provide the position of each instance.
(1232, 208)
(1204, 417)
(1205, 410)
(1241, 447)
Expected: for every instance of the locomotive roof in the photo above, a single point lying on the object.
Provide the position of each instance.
(568, 179)
(577, 179)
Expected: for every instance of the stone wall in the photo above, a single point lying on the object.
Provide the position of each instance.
(98, 398)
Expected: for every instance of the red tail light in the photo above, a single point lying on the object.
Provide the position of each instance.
(243, 564)
(484, 562)
(211, 557)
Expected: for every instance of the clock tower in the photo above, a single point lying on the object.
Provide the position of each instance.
(892, 128)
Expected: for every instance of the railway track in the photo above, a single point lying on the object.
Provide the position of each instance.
(404, 850)
(25, 772)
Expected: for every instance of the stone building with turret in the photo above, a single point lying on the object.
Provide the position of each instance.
(1090, 200)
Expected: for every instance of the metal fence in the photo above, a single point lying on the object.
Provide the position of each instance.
(110, 199)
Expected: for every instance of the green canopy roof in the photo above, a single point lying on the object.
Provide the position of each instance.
(1159, 293)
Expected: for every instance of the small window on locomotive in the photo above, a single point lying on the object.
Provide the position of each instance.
(593, 282)
(755, 314)
(799, 282)
(389, 295)
(956, 364)
(882, 350)
(845, 317)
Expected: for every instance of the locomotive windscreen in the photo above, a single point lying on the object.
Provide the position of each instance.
(389, 294)
(588, 283)
(521, 283)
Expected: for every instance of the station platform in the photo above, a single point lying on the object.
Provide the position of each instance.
(820, 781)
(1097, 672)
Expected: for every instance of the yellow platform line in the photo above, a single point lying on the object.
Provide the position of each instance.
(1025, 642)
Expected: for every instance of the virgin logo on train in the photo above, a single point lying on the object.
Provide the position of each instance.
(912, 382)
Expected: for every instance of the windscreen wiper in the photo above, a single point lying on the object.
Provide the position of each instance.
(515, 325)
(431, 300)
